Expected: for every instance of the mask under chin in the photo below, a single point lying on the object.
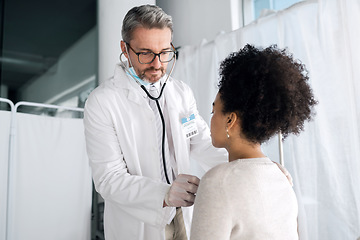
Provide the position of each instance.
(133, 74)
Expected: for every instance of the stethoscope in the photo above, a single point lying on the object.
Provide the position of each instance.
(156, 99)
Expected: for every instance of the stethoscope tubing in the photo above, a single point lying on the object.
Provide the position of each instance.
(156, 99)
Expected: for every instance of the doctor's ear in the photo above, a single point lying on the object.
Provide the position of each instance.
(124, 48)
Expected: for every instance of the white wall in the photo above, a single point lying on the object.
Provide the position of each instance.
(197, 20)
(193, 22)
(4, 91)
(110, 16)
(76, 65)
(97, 52)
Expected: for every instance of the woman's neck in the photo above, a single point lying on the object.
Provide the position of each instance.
(244, 150)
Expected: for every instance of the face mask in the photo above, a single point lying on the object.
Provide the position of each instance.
(135, 76)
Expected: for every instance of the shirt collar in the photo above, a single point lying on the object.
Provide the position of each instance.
(157, 84)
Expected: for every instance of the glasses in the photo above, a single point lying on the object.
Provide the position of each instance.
(149, 56)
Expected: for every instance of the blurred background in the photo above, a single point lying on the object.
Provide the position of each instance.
(54, 53)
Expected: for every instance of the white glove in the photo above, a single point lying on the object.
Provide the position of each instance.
(286, 173)
(182, 191)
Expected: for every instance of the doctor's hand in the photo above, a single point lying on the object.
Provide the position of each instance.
(182, 191)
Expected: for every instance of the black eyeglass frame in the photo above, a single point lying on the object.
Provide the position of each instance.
(155, 54)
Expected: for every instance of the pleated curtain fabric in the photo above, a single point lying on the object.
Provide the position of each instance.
(324, 159)
(50, 180)
(159, 129)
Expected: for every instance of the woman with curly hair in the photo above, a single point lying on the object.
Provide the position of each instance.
(261, 92)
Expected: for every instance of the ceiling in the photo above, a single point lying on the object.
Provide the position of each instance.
(35, 33)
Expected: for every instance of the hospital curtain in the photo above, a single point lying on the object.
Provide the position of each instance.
(50, 180)
(323, 160)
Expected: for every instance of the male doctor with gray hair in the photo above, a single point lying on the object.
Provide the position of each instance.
(142, 127)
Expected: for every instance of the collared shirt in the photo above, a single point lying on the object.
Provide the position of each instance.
(164, 108)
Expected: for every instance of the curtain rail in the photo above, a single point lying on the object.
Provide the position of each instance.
(5, 100)
(23, 103)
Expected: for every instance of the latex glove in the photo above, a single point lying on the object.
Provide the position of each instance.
(182, 191)
(286, 173)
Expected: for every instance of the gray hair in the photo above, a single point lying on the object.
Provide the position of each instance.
(146, 16)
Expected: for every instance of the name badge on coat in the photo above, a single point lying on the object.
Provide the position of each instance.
(189, 126)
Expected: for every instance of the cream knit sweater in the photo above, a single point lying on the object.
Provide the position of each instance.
(245, 199)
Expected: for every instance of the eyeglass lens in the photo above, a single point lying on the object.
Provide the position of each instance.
(148, 57)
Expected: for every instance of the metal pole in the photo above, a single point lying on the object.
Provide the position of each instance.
(7, 173)
(281, 152)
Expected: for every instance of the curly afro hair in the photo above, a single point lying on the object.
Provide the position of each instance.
(268, 90)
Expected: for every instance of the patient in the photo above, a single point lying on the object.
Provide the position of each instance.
(261, 92)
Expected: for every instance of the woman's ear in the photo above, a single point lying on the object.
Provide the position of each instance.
(231, 119)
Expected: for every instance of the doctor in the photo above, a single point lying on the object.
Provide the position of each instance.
(141, 170)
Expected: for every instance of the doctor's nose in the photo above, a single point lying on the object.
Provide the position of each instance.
(156, 62)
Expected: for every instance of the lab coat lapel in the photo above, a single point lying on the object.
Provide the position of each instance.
(129, 86)
(176, 112)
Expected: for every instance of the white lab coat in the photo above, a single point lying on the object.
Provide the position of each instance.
(123, 152)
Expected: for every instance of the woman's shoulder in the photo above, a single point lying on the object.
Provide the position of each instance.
(238, 169)
(238, 165)
(218, 174)
(218, 170)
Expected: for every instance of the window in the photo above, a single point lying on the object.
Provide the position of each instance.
(260, 5)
